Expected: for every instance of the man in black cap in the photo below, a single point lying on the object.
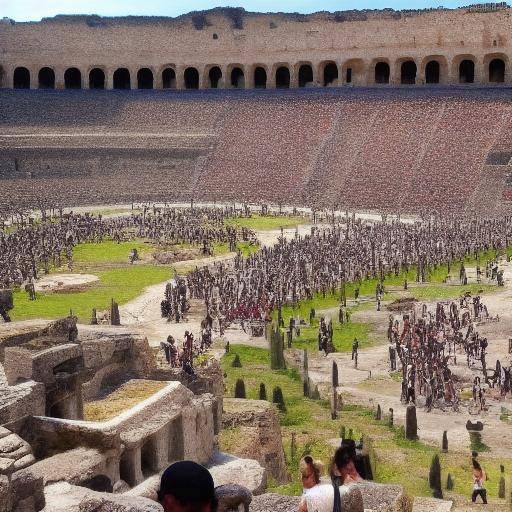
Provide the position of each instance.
(187, 487)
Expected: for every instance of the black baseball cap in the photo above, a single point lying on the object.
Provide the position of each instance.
(188, 482)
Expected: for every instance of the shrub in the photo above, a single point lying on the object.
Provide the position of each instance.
(278, 399)
(434, 477)
(240, 389)
(236, 362)
(263, 392)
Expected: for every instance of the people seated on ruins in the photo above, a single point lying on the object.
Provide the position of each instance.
(186, 486)
(328, 497)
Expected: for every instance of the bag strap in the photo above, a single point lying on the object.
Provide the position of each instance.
(337, 497)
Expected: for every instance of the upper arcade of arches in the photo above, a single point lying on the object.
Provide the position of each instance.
(361, 48)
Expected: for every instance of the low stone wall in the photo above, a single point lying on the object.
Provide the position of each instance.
(171, 425)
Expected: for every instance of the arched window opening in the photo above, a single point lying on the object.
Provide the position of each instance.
(96, 79)
(432, 72)
(382, 73)
(21, 78)
(305, 75)
(237, 78)
(73, 79)
(215, 75)
(283, 78)
(191, 78)
(260, 78)
(145, 79)
(408, 72)
(330, 73)
(169, 78)
(46, 78)
(497, 71)
(348, 78)
(467, 72)
(122, 79)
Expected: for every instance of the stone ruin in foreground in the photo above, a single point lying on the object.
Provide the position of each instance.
(53, 459)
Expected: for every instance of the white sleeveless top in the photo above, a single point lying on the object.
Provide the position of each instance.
(321, 497)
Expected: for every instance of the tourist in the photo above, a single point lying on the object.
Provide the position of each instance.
(187, 487)
(345, 463)
(327, 497)
(310, 471)
(479, 478)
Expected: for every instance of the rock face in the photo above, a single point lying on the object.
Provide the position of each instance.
(248, 473)
(275, 503)
(232, 496)
(260, 434)
(20, 489)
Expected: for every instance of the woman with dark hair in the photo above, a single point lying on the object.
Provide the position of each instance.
(328, 497)
(479, 478)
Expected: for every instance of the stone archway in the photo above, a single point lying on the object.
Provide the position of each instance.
(382, 73)
(432, 72)
(73, 78)
(21, 78)
(408, 70)
(260, 78)
(467, 71)
(214, 77)
(46, 78)
(330, 74)
(282, 77)
(191, 77)
(122, 79)
(96, 79)
(497, 71)
(305, 75)
(145, 78)
(169, 78)
(237, 78)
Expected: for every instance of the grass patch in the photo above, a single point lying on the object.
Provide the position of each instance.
(121, 284)
(266, 222)
(108, 252)
(343, 336)
(125, 397)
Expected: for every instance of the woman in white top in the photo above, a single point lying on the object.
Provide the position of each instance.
(321, 497)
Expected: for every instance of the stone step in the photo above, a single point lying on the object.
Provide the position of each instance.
(424, 504)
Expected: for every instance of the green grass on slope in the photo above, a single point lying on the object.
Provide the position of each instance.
(397, 460)
(121, 284)
(266, 222)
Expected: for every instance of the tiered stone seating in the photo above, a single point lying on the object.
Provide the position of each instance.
(407, 150)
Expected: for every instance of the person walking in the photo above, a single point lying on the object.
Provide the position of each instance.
(479, 478)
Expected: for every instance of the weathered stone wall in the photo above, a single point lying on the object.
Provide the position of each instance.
(259, 434)
(232, 39)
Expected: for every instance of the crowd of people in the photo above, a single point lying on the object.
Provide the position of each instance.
(425, 342)
(323, 261)
(40, 245)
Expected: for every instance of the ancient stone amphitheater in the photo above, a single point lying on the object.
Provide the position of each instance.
(403, 111)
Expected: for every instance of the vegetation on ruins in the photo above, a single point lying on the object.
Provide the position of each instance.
(121, 399)
(236, 362)
(434, 477)
(240, 389)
